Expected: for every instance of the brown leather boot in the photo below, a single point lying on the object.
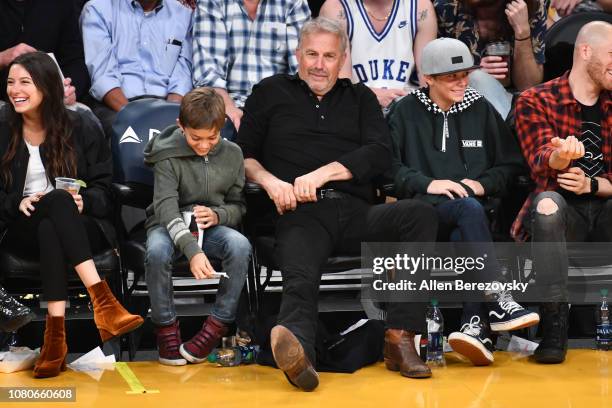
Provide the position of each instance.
(52, 358)
(110, 317)
(400, 354)
(291, 358)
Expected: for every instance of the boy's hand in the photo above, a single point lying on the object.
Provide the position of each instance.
(205, 217)
(200, 267)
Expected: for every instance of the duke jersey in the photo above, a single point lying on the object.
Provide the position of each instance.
(382, 60)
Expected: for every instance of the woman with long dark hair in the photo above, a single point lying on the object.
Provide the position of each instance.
(39, 141)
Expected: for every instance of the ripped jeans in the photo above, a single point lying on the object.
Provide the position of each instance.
(576, 220)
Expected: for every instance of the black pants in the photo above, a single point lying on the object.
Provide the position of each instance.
(576, 220)
(60, 235)
(306, 237)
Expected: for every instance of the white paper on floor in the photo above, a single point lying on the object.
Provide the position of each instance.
(93, 363)
(522, 346)
(355, 326)
(18, 359)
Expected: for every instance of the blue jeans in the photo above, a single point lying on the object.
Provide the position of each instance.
(493, 91)
(467, 221)
(220, 243)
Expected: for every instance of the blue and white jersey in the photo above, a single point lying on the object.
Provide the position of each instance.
(384, 60)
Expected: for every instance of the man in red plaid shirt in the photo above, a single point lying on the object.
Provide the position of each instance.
(565, 131)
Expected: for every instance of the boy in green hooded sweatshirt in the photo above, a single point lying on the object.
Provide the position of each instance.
(195, 172)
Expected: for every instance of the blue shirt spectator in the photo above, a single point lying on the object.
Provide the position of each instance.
(236, 45)
(142, 53)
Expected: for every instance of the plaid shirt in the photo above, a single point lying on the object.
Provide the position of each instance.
(234, 53)
(546, 111)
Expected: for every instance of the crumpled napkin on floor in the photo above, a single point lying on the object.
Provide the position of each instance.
(18, 359)
(93, 363)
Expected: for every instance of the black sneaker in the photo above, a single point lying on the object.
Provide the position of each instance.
(505, 314)
(473, 341)
(13, 314)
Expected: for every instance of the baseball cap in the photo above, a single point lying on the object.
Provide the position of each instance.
(445, 56)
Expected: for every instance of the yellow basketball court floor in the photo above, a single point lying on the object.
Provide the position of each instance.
(513, 381)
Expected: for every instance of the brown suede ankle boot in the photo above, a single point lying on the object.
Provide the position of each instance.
(400, 354)
(52, 358)
(110, 317)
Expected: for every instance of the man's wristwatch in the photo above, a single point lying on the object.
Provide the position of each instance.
(594, 186)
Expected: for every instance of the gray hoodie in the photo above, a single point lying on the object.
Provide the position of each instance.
(184, 179)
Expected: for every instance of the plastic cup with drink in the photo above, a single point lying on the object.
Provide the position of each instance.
(500, 49)
(69, 184)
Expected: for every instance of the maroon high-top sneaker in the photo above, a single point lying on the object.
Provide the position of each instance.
(168, 343)
(199, 347)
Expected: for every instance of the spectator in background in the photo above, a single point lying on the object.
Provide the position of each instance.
(135, 49)
(565, 131)
(48, 26)
(566, 7)
(237, 43)
(477, 23)
(387, 38)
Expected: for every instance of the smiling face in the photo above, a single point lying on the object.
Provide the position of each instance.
(445, 90)
(320, 58)
(22, 92)
(202, 141)
(599, 64)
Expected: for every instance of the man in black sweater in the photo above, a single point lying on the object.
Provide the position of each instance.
(49, 26)
(315, 143)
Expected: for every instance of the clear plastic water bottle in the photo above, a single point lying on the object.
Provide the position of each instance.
(603, 341)
(229, 354)
(435, 333)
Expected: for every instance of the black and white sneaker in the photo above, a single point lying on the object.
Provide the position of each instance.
(505, 314)
(473, 341)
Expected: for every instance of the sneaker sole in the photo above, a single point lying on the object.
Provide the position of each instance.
(527, 320)
(189, 357)
(290, 357)
(471, 348)
(173, 361)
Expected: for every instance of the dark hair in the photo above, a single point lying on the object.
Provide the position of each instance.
(59, 151)
(202, 108)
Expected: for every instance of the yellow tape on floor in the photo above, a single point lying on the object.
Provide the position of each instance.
(130, 378)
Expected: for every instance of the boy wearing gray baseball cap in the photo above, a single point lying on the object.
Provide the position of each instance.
(453, 150)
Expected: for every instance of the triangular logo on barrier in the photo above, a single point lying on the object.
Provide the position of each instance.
(129, 136)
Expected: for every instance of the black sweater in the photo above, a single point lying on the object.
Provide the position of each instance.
(291, 132)
(94, 166)
(49, 26)
(479, 146)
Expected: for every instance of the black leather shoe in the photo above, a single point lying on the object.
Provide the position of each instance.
(13, 314)
(553, 347)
